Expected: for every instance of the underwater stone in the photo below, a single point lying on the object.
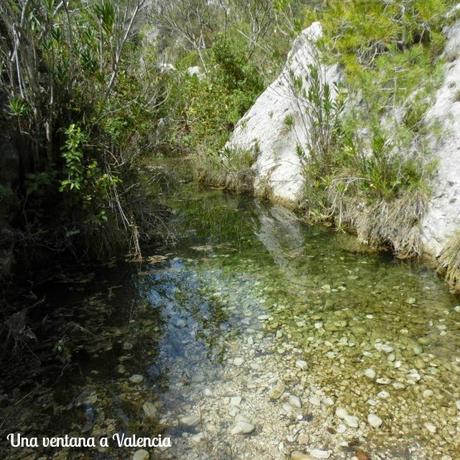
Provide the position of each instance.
(387, 348)
(141, 454)
(374, 420)
(277, 391)
(197, 438)
(190, 420)
(136, 378)
(149, 410)
(318, 453)
(242, 427)
(430, 427)
(301, 364)
(235, 400)
(370, 373)
(300, 456)
(295, 401)
(351, 421)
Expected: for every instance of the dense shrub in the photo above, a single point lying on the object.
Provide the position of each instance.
(204, 110)
(79, 104)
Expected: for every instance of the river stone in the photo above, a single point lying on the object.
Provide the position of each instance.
(413, 376)
(301, 364)
(295, 401)
(197, 438)
(341, 412)
(427, 393)
(300, 456)
(121, 369)
(190, 420)
(318, 453)
(374, 420)
(387, 348)
(341, 428)
(238, 361)
(235, 400)
(242, 427)
(351, 421)
(149, 410)
(370, 373)
(430, 427)
(136, 378)
(277, 391)
(141, 454)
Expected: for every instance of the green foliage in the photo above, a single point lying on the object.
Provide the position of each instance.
(72, 151)
(289, 121)
(231, 170)
(390, 54)
(77, 90)
(18, 107)
(388, 49)
(206, 109)
(322, 110)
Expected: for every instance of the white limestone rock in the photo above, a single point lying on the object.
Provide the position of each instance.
(442, 218)
(263, 128)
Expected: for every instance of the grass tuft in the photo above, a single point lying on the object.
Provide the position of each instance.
(230, 170)
(449, 261)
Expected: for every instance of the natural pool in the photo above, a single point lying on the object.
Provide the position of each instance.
(254, 336)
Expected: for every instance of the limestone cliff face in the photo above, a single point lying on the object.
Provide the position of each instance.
(265, 128)
(442, 218)
(278, 166)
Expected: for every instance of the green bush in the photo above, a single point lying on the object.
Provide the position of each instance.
(204, 111)
(79, 100)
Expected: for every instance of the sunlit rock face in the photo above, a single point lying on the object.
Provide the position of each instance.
(442, 219)
(278, 166)
(275, 127)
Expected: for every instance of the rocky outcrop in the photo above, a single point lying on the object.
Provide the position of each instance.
(275, 127)
(442, 219)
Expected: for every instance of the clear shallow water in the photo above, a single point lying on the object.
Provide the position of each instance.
(253, 316)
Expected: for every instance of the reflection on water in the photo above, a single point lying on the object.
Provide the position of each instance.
(250, 300)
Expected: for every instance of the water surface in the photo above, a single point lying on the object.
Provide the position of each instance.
(254, 319)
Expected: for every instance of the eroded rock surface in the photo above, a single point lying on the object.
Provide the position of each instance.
(442, 219)
(275, 126)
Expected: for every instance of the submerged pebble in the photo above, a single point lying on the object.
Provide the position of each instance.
(301, 364)
(370, 373)
(242, 426)
(374, 420)
(319, 453)
(136, 378)
(141, 454)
